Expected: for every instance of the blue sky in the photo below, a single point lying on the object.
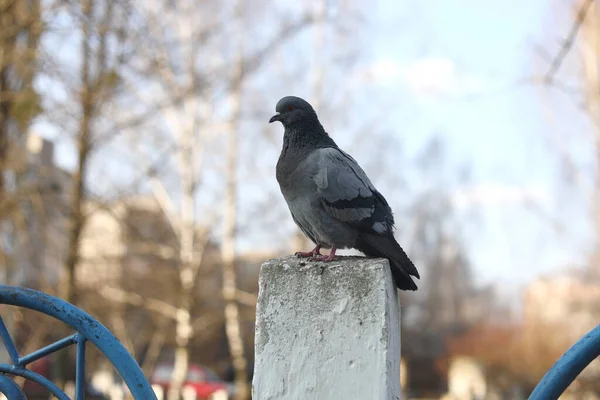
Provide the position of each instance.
(458, 67)
(455, 69)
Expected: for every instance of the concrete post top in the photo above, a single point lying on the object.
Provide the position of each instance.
(348, 266)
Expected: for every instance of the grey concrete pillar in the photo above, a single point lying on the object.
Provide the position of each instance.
(327, 331)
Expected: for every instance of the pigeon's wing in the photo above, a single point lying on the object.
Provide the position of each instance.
(348, 195)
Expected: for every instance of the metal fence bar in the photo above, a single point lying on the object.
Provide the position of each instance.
(566, 369)
(8, 342)
(44, 351)
(10, 389)
(34, 377)
(80, 369)
(85, 325)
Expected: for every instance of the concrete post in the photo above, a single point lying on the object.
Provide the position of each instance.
(327, 331)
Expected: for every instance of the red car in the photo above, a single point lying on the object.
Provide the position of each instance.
(204, 381)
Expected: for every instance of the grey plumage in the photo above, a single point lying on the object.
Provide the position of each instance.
(329, 195)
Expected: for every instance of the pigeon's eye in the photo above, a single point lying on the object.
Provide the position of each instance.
(290, 108)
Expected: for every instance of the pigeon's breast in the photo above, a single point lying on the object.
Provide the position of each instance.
(295, 178)
(294, 172)
(301, 194)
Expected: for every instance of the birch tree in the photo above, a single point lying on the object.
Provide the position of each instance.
(184, 68)
(232, 312)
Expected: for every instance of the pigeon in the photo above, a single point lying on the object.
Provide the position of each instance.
(330, 197)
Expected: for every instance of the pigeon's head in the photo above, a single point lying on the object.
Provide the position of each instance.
(292, 109)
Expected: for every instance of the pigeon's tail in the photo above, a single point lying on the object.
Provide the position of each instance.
(386, 246)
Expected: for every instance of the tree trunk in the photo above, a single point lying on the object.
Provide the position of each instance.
(3, 153)
(6, 59)
(16, 78)
(187, 268)
(78, 188)
(83, 148)
(4, 114)
(232, 313)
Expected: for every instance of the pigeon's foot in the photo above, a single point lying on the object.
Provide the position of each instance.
(314, 252)
(330, 257)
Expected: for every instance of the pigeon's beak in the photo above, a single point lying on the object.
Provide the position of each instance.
(275, 118)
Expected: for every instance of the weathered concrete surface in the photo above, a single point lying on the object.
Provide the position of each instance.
(327, 331)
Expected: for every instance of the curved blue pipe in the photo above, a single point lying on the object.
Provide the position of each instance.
(10, 389)
(34, 377)
(89, 328)
(566, 369)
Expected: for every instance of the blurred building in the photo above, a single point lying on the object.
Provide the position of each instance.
(133, 236)
(35, 232)
(131, 232)
(468, 378)
(568, 306)
(130, 248)
(571, 300)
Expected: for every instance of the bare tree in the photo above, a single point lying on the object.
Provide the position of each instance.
(581, 43)
(589, 18)
(19, 103)
(192, 93)
(84, 138)
(232, 313)
(88, 90)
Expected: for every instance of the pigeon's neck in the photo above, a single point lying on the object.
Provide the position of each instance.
(306, 136)
(299, 140)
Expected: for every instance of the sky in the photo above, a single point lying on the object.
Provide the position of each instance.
(458, 69)
(462, 75)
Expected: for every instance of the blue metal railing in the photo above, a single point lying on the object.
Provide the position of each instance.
(88, 330)
(568, 367)
(552, 385)
(10, 389)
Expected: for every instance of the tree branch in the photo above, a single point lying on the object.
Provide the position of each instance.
(568, 43)
(158, 306)
(245, 298)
